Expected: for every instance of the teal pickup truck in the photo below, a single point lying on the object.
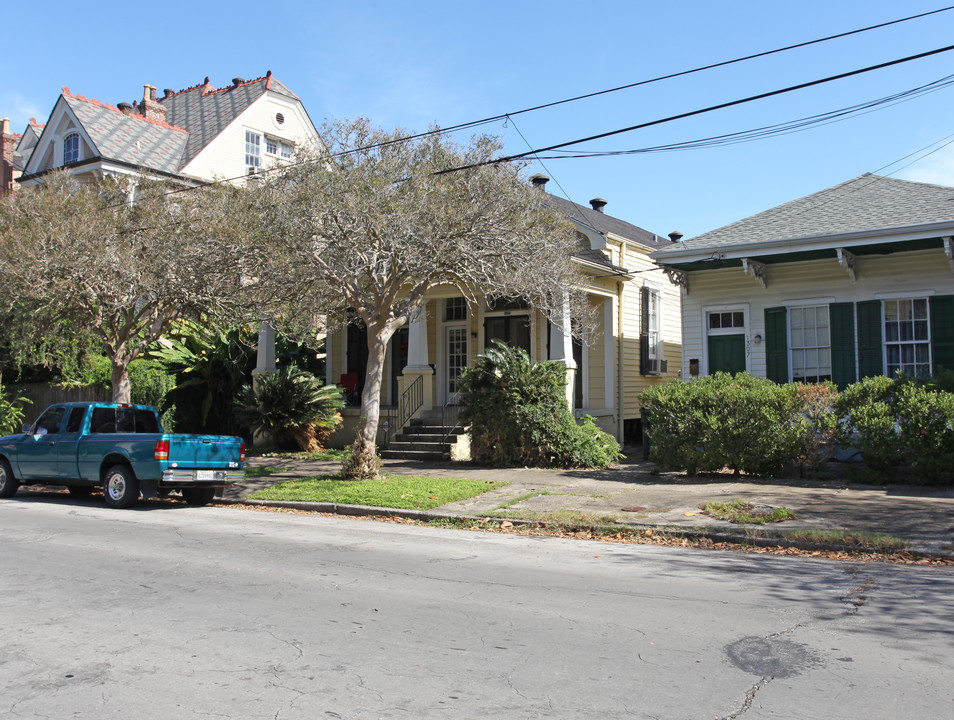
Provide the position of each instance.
(120, 448)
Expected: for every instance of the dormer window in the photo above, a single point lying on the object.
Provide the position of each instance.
(71, 149)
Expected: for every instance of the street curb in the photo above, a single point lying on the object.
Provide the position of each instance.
(693, 533)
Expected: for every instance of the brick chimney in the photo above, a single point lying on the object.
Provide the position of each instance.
(6, 164)
(151, 108)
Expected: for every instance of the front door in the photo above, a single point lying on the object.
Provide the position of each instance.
(726, 354)
(455, 348)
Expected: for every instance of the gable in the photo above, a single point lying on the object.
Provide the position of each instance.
(105, 133)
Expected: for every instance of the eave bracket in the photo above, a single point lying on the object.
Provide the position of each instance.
(847, 260)
(755, 269)
(678, 277)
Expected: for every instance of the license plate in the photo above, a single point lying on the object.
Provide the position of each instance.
(205, 475)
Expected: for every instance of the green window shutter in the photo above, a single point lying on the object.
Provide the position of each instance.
(870, 350)
(644, 331)
(842, 319)
(776, 344)
(942, 332)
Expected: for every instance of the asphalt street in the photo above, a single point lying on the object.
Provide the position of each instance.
(169, 611)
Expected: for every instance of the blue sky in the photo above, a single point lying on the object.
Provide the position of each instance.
(415, 63)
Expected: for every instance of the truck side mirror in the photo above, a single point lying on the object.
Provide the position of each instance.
(25, 429)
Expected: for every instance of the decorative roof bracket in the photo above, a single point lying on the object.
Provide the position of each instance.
(847, 260)
(678, 277)
(949, 251)
(755, 269)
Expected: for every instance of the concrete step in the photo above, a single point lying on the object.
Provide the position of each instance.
(436, 446)
(414, 455)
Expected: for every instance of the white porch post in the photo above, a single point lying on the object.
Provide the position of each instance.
(561, 349)
(266, 348)
(265, 361)
(417, 365)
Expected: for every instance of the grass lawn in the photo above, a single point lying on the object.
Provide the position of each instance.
(407, 492)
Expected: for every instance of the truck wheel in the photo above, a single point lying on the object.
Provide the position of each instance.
(198, 496)
(8, 483)
(120, 487)
(80, 490)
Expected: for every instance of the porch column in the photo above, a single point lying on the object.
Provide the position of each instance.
(417, 365)
(265, 362)
(266, 348)
(561, 349)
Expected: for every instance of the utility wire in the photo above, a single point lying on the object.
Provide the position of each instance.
(785, 128)
(692, 113)
(504, 116)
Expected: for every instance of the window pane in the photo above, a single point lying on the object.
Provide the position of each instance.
(890, 310)
(715, 320)
(920, 309)
(738, 319)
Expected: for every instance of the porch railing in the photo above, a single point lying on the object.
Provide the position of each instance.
(450, 415)
(410, 402)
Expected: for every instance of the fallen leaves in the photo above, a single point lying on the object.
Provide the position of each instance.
(644, 536)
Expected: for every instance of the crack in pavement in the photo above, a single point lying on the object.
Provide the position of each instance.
(749, 697)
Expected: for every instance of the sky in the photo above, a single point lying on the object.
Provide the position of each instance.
(419, 63)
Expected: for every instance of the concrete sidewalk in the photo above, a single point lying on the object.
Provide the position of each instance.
(632, 494)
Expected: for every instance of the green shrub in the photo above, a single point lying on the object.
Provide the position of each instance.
(151, 384)
(518, 414)
(740, 422)
(868, 408)
(11, 413)
(925, 420)
(291, 403)
(821, 431)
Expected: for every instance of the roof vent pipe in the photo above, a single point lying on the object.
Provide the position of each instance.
(598, 204)
(539, 181)
(675, 236)
(236, 81)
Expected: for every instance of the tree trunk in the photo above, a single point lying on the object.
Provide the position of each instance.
(364, 461)
(120, 381)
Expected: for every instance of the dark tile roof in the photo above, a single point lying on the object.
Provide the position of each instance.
(605, 223)
(866, 203)
(128, 138)
(205, 112)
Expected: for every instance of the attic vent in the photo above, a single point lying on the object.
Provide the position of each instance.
(279, 118)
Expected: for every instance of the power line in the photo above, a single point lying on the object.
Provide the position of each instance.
(692, 113)
(785, 128)
(711, 66)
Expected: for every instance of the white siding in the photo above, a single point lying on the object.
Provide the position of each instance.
(224, 157)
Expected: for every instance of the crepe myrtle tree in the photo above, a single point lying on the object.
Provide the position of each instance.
(119, 258)
(367, 228)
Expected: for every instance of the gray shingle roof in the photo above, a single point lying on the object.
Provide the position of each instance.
(605, 223)
(205, 112)
(866, 203)
(128, 138)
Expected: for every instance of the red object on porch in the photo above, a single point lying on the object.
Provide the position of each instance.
(349, 382)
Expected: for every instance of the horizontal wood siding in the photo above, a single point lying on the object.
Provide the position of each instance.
(922, 273)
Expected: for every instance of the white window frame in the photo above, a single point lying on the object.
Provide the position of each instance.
(892, 368)
(804, 347)
(253, 152)
(72, 139)
(654, 314)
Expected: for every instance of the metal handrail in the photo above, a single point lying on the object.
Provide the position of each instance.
(450, 415)
(410, 402)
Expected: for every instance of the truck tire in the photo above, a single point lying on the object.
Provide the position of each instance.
(198, 496)
(120, 487)
(8, 483)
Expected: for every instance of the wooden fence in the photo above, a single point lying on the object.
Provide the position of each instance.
(43, 395)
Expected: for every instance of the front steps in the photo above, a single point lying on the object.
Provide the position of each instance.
(422, 439)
